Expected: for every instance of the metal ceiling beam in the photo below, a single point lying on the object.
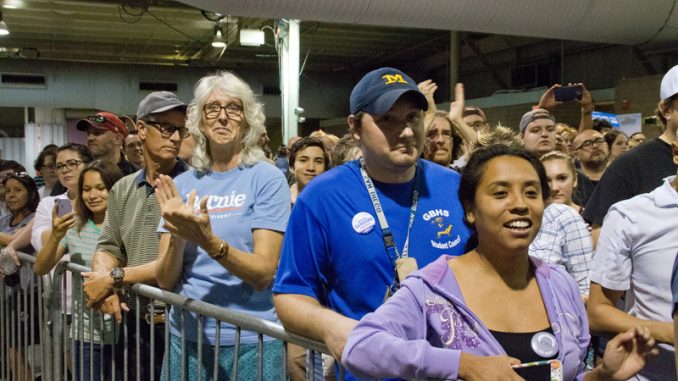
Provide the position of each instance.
(644, 60)
(483, 59)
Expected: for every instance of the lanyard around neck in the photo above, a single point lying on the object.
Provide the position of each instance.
(387, 235)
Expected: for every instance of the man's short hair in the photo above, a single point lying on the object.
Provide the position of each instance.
(305, 143)
(599, 124)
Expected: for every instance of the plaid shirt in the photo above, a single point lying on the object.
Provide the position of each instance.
(564, 239)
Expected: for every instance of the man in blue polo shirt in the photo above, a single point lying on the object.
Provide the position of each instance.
(359, 228)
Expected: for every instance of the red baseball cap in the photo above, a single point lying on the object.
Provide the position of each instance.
(103, 121)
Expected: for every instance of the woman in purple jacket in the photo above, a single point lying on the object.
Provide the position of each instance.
(474, 316)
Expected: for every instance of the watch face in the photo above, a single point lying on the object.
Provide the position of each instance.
(117, 272)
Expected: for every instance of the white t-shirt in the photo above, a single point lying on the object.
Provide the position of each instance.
(43, 219)
(636, 250)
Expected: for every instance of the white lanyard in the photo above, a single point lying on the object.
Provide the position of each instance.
(387, 235)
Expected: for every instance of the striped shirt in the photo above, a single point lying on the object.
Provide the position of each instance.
(131, 224)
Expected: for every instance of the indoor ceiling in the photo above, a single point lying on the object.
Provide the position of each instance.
(172, 33)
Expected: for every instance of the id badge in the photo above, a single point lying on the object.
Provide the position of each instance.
(405, 266)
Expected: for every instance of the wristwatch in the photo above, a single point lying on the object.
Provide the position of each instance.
(117, 274)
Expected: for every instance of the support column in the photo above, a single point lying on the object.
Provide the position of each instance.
(289, 51)
(455, 60)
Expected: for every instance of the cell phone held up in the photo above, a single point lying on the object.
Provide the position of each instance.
(568, 93)
(63, 207)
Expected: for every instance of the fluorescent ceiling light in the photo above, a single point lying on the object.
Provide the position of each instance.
(251, 37)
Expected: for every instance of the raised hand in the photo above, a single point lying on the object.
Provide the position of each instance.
(627, 353)
(457, 106)
(181, 219)
(428, 88)
(60, 225)
(548, 99)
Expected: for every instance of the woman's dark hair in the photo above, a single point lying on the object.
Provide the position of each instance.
(81, 150)
(49, 150)
(305, 143)
(610, 136)
(475, 168)
(13, 165)
(27, 181)
(110, 174)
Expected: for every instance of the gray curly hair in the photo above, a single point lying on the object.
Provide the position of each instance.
(253, 111)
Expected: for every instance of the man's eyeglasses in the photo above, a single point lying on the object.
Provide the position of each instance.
(589, 143)
(49, 166)
(213, 110)
(433, 135)
(70, 164)
(477, 125)
(167, 129)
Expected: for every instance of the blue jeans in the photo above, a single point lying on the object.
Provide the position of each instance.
(98, 357)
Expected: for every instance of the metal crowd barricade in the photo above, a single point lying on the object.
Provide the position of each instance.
(25, 346)
(54, 357)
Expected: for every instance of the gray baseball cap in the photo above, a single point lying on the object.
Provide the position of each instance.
(533, 115)
(157, 102)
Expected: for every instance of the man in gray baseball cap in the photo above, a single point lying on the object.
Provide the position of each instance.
(538, 131)
(158, 102)
(128, 237)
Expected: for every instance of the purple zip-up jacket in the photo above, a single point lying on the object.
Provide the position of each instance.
(423, 329)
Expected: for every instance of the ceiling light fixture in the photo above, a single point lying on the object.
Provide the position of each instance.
(3, 27)
(251, 37)
(218, 40)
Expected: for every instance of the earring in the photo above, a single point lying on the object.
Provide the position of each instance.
(471, 220)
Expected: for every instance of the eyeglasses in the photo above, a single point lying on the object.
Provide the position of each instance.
(10, 175)
(589, 143)
(213, 110)
(48, 166)
(70, 164)
(167, 129)
(477, 125)
(433, 135)
(97, 119)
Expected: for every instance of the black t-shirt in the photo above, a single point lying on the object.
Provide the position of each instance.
(126, 167)
(584, 189)
(638, 171)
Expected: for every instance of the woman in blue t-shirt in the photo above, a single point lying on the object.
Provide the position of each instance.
(76, 233)
(221, 232)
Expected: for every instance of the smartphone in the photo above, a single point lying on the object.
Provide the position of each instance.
(568, 93)
(548, 370)
(63, 207)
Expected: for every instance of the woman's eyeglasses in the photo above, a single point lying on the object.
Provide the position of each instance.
(167, 130)
(10, 175)
(70, 164)
(213, 110)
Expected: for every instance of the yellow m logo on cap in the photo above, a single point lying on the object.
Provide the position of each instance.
(393, 78)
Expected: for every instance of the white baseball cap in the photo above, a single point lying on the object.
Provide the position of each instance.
(669, 85)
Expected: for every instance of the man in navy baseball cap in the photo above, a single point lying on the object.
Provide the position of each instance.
(378, 90)
(374, 220)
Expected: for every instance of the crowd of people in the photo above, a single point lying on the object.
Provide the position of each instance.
(424, 243)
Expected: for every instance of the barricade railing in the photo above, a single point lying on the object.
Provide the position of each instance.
(25, 346)
(68, 353)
